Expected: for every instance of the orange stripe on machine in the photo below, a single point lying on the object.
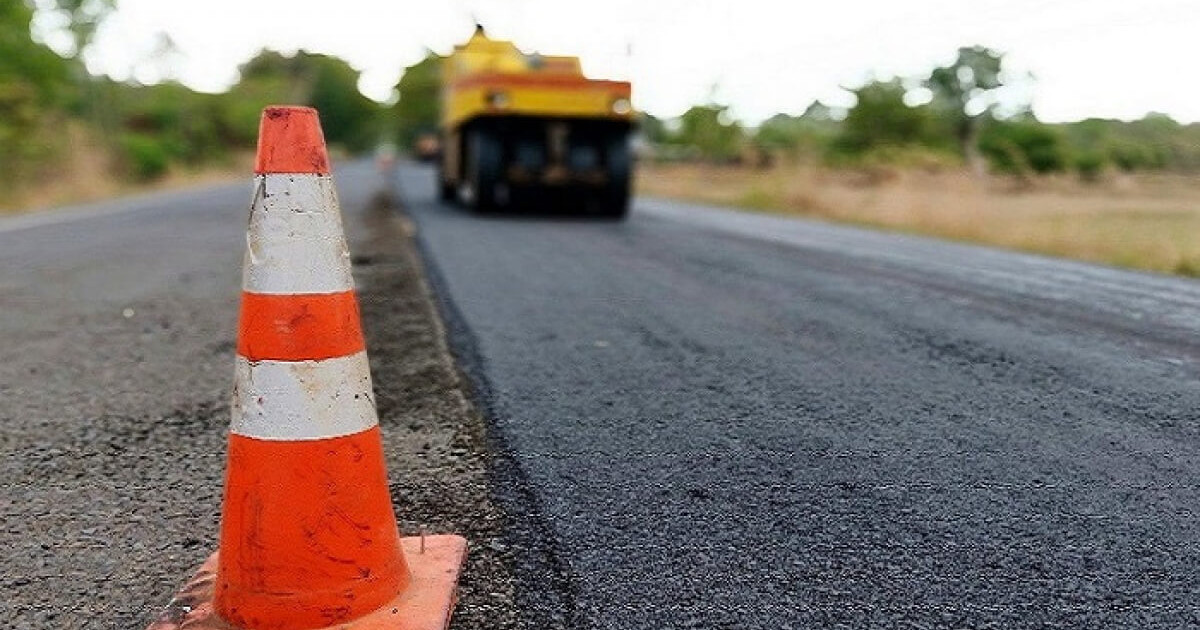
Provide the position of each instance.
(558, 81)
(302, 400)
(295, 242)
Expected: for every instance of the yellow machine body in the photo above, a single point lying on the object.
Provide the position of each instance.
(489, 77)
(512, 120)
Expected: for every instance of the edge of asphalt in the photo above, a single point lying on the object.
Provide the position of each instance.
(546, 590)
(120, 204)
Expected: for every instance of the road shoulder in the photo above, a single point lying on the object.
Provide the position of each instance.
(437, 445)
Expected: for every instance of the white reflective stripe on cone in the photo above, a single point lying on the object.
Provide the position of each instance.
(295, 243)
(302, 400)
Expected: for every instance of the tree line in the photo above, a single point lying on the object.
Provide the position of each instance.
(963, 113)
(51, 107)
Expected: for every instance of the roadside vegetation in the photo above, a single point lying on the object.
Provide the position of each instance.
(970, 113)
(955, 154)
(69, 135)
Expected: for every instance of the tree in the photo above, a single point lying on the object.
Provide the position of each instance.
(83, 18)
(26, 62)
(792, 135)
(418, 91)
(652, 128)
(780, 132)
(964, 93)
(33, 81)
(321, 81)
(880, 119)
(347, 116)
(712, 131)
(1022, 146)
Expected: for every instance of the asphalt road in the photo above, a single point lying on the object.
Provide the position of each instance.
(117, 325)
(700, 418)
(727, 420)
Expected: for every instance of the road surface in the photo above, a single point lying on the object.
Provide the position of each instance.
(701, 418)
(116, 360)
(731, 420)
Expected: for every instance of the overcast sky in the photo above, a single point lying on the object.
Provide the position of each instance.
(1108, 58)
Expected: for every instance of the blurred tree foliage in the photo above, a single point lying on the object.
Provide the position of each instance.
(964, 95)
(327, 83)
(165, 124)
(951, 114)
(1154, 142)
(26, 62)
(418, 93)
(880, 119)
(158, 126)
(711, 131)
(82, 18)
(652, 129)
(48, 100)
(797, 136)
(1023, 146)
(34, 83)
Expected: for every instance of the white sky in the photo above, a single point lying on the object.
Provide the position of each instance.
(1107, 58)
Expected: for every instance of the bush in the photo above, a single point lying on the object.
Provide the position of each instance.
(1129, 157)
(891, 157)
(1188, 267)
(19, 126)
(794, 136)
(915, 157)
(1022, 146)
(881, 120)
(1090, 164)
(715, 135)
(146, 157)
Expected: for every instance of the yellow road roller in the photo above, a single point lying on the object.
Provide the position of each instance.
(521, 130)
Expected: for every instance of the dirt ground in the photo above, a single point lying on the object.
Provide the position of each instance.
(1140, 220)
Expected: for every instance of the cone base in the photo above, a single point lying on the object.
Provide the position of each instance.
(425, 605)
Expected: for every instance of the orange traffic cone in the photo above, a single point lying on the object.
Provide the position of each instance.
(308, 536)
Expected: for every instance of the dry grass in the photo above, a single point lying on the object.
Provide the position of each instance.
(87, 173)
(1146, 221)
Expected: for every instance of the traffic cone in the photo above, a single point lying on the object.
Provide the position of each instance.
(308, 537)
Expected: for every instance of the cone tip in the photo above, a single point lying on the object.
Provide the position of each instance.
(290, 141)
(277, 111)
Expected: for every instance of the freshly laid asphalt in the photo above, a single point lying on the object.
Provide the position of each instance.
(698, 418)
(728, 420)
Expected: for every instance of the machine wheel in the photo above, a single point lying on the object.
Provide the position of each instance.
(484, 162)
(615, 194)
(616, 205)
(446, 191)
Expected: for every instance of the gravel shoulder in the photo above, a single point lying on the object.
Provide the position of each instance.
(436, 442)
